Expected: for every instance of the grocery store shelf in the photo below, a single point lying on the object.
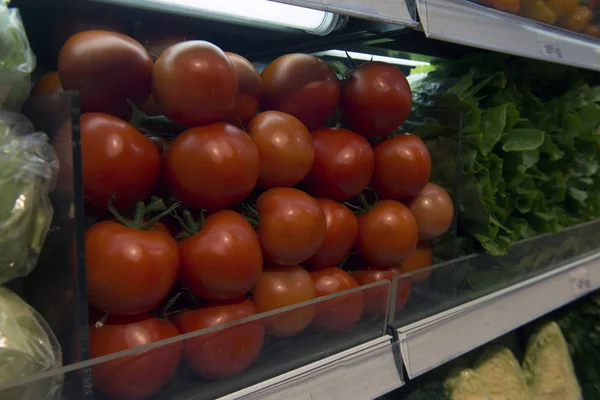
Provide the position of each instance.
(464, 22)
(436, 340)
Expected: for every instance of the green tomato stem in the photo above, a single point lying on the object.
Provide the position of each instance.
(154, 220)
(117, 215)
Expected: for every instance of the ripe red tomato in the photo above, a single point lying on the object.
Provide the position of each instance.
(227, 352)
(402, 167)
(107, 68)
(292, 225)
(281, 286)
(377, 298)
(342, 230)
(433, 210)
(376, 99)
(421, 258)
(140, 375)
(387, 233)
(195, 83)
(285, 147)
(340, 313)
(249, 91)
(343, 164)
(301, 85)
(128, 271)
(212, 166)
(223, 260)
(48, 84)
(116, 159)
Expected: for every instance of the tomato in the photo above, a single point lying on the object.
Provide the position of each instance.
(511, 6)
(341, 233)
(402, 167)
(387, 233)
(281, 286)
(376, 99)
(249, 91)
(343, 164)
(227, 352)
(285, 147)
(578, 21)
(377, 298)
(421, 258)
(195, 83)
(211, 167)
(340, 313)
(433, 210)
(48, 84)
(129, 271)
(107, 68)
(292, 225)
(301, 85)
(116, 159)
(142, 374)
(562, 7)
(149, 107)
(157, 42)
(223, 260)
(539, 11)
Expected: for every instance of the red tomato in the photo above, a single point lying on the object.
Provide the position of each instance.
(227, 352)
(281, 286)
(48, 84)
(402, 167)
(343, 164)
(376, 99)
(211, 167)
(387, 234)
(292, 225)
(421, 258)
(108, 69)
(116, 159)
(195, 83)
(433, 210)
(140, 375)
(340, 313)
(377, 298)
(129, 271)
(301, 85)
(285, 147)
(249, 91)
(342, 230)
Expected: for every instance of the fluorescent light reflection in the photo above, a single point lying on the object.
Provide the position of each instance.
(370, 57)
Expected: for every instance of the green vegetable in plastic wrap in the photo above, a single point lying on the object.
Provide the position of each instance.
(502, 375)
(465, 384)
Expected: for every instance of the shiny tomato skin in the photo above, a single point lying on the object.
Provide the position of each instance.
(421, 258)
(433, 210)
(343, 164)
(387, 234)
(281, 286)
(129, 271)
(285, 147)
(212, 166)
(376, 99)
(292, 225)
(301, 85)
(341, 233)
(116, 159)
(223, 260)
(48, 83)
(402, 167)
(108, 69)
(195, 83)
(340, 313)
(140, 375)
(227, 352)
(376, 298)
(249, 91)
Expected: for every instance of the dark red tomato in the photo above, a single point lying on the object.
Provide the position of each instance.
(142, 374)
(301, 85)
(342, 230)
(195, 83)
(402, 167)
(421, 258)
(211, 167)
(281, 286)
(387, 234)
(227, 352)
(48, 84)
(292, 225)
(340, 313)
(117, 159)
(433, 209)
(249, 91)
(107, 68)
(376, 99)
(222, 261)
(343, 164)
(285, 147)
(377, 298)
(129, 271)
